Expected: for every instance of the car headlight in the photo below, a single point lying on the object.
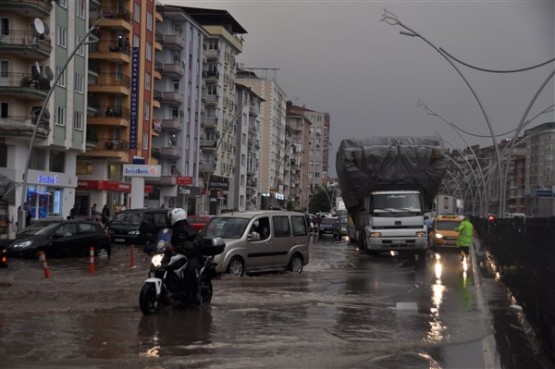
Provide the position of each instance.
(375, 234)
(439, 235)
(134, 232)
(21, 245)
(421, 234)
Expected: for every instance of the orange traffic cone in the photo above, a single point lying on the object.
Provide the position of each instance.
(42, 259)
(91, 260)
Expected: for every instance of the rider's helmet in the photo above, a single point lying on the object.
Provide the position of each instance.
(177, 214)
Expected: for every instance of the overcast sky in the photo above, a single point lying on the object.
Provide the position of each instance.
(339, 57)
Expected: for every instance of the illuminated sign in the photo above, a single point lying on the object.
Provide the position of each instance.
(48, 179)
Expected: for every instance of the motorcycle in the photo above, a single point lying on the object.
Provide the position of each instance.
(167, 284)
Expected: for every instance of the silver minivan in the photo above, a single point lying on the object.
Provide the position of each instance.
(257, 241)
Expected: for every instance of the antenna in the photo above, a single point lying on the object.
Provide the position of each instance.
(38, 26)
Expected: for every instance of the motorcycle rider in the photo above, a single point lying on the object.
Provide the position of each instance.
(185, 240)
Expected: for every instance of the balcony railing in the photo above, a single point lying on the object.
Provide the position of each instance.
(23, 126)
(111, 144)
(110, 79)
(110, 46)
(27, 44)
(173, 42)
(112, 111)
(116, 13)
(28, 8)
(171, 125)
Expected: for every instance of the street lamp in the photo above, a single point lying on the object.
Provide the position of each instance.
(391, 19)
(220, 139)
(22, 211)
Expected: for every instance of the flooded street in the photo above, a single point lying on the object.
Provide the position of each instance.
(345, 310)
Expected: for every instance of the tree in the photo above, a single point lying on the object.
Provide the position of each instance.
(320, 200)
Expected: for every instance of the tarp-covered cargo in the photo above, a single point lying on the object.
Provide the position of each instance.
(390, 163)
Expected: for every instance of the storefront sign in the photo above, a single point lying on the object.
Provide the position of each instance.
(112, 186)
(138, 170)
(134, 120)
(43, 179)
(218, 183)
(184, 181)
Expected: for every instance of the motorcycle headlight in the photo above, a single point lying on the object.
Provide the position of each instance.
(21, 245)
(156, 260)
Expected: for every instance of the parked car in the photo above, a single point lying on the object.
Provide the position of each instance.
(198, 221)
(263, 240)
(133, 226)
(330, 226)
(443, 234)
(63, 238)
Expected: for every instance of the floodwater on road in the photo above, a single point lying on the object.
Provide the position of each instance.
(346, 310)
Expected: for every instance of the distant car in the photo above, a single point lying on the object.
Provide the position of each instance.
(443, 234)
(198, 221)
(4, 243)
(134, 226)
(330, 226)
(64, 238)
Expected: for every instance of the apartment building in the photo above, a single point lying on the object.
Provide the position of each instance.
(219, 127)
(243, 188)
(179, 109)
(37, 40)
(120, 126)
(318, 162)
(273, 145)
(299, 127)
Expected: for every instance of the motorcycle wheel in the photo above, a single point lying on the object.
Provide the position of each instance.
(148, 300)
(205, 291)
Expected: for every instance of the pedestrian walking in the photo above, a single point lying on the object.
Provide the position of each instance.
(465, 237)
(105, 215)
(94, 212)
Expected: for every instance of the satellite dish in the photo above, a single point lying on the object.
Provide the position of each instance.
(47, 73)
(38, 26)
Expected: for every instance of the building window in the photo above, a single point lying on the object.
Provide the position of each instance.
(148, 51)
(80, 9)
(79, 83)
(4, 109)
(137, 13)
(81, 50)
(145, 141)
(149, 21)
(147, 81)
(3, 156)
(57, 161)
(60, 116)
(62, 3)
(61, 36)
(62, 80)
(36, 161)
(78, 120)
(147, 111)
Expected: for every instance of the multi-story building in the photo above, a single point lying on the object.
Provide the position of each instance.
(120, 93)
(219, 126)
(37, 39)
(540, 169)
(299, 126)
(243, 190)
(273, 134)
(178, 90)
(318, 161)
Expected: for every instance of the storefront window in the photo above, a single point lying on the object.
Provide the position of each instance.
(57, 161)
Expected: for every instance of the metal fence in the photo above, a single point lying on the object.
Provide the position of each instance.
(524, 251)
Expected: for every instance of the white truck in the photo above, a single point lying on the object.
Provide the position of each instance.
(387, 184)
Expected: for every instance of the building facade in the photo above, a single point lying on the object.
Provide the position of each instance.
(299, 126)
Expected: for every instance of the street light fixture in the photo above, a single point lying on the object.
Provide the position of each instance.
(84, 41)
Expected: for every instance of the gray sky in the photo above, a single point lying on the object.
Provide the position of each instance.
(339, 57)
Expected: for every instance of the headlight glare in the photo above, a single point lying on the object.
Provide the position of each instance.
(23, 244)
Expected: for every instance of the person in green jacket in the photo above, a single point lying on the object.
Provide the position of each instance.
(465, 237)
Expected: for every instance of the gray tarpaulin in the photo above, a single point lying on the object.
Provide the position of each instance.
(389, 163)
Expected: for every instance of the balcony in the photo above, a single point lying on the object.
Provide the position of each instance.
(173, 42)
(114, 83)
(115, 18)
(116, 116)
(112, 50)
(175, 97)
(211, 99)
(210, 122)
(173, 69)
(108, 148)
(27, 8)
(212, 54)
(173, 125)
(170, 153)
(211, 77)
(206, 167)
(26, 44)
(23, 126)
(93, 105)
(208, 144)
(254, 110)
(26, 85)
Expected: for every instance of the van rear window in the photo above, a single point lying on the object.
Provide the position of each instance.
(299, 226)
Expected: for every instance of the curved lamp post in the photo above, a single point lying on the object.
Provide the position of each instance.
(391, 19)
(22, 211)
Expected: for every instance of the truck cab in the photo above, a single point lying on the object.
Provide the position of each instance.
(395, 222)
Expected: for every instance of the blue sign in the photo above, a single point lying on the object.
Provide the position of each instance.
(135, 73)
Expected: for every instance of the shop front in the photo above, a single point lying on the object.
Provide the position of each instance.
(49, 194)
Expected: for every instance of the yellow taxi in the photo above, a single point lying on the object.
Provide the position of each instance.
(442, 233)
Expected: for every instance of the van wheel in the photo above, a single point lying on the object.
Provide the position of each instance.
(236, 267)
(295, 264)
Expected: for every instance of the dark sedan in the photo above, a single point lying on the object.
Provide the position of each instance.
(61, 239)
(330, 226)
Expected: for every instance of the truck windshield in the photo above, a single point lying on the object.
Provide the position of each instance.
(396, 204)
